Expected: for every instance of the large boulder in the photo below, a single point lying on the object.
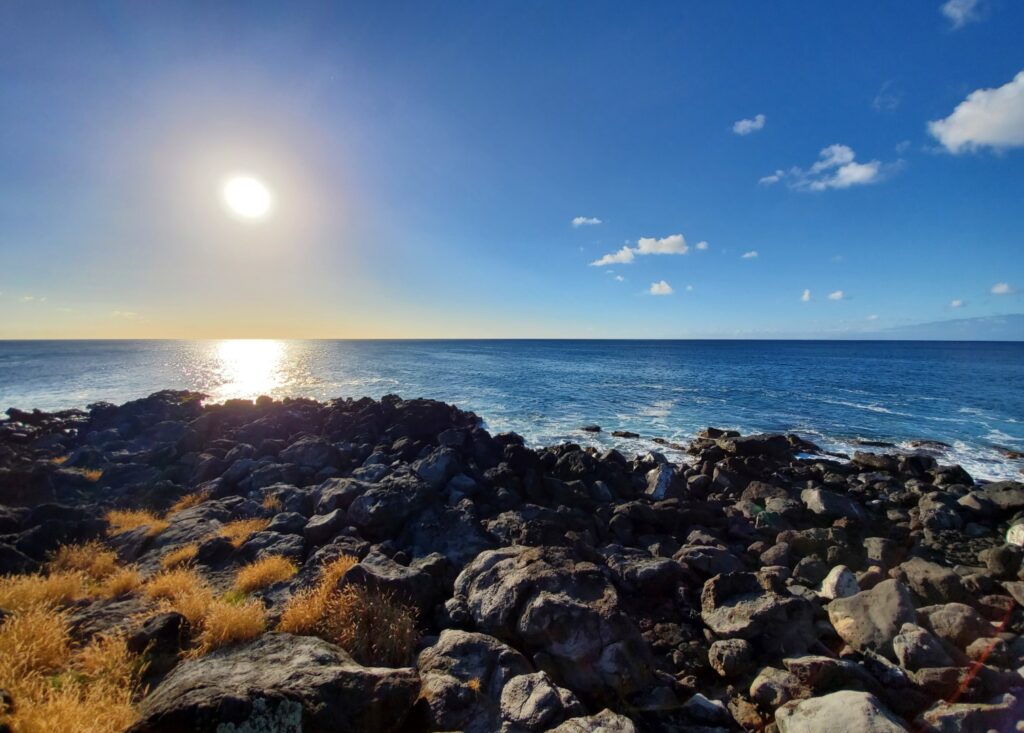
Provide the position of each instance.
(846, 711)
(564, 610)
(604, 722)
(870, 619)
(383, 508)
(462, 677)
(275, 680)
(748, 606)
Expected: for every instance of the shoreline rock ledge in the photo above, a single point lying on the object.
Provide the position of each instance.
(560, 589)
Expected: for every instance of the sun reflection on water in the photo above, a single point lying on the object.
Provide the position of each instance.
(248, 368)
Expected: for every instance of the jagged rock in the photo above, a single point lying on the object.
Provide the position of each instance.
(840, 712)
(1000, 714)
(604, 722)
(839, 583)
(554, 604)
(739, 605)
(534, 702)
(772, 687)
(730, 657)
(322, 527)
(932, 582)
(915, 648)
(381, 573)
(830, 505)
(332, 692)
(383, 508)
(310, 452)
(462, 677)
(775, 446)
(870, 619)
(957, 623)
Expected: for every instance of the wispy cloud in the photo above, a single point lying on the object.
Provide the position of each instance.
(689, 288)
(806, 296)
(623, 257)
(745, 127)
(124, 314)
(991, 118)
(661, 288)
(32, 299)
(619, 278)
(585, 221)
(887, 99)
(1002, 289)
(836, 295)
(872, 317)
(673, 244)
(701, 246)
(749, 255)
(836, 167)
(961, 12)
(956, 303)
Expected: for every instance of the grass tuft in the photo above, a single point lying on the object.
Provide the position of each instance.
(26, 592)
(92, 474)
(373, 627)
(241, 529)
(122, 520)
(272, 503)
(180, 556)
(170, 584)
(263, 573)
(93, 559)
(230, 623)
(120, 583)
(188, 501)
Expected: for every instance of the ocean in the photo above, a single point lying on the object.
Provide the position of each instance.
(966, 397)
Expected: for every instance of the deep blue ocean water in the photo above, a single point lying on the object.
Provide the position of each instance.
(968, 395)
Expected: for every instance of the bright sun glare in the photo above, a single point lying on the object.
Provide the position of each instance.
(247, 197)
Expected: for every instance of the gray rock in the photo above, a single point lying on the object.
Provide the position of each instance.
(333, 691)
(915, 648)
(730, 657)
(462, 677)
(846, 711)
(738, 605)
(932, 582)
(383, 508)
(310, 452)
(548, 601)
(870, 619)
(287, 523)
(772, 687)
(437, 468)
(957, 623)
(839, 583)
(1001, 714)
(663, 483)
(830, 505)
(321, 528)
(534, 702)
(406, 585)
(604, 722)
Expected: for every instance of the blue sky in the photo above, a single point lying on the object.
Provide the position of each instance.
(427, 161)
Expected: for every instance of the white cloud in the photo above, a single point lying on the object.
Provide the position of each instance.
(749, 255)
(689, 288)
(584, 221)
(956, 303)
(960, 12)
(836, 167)
(673, 244)
(987, 118)
(745, 127)
(623, 257)
(872, 317)
(619, 278)
(701, 246)
(661, 288)
(836, 295)
(806, 297)
(1002, 289)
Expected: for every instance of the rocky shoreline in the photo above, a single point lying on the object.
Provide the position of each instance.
(557, 589)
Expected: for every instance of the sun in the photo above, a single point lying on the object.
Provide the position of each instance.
(247, 197)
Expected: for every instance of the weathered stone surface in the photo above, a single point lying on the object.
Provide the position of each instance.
(737, 605)
(870, 619)
(535, 703)
(604, 722)
(318, 682)
(546, 600)
(840, 712)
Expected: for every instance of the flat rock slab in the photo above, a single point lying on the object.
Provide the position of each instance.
(841, 712)
(276, 681)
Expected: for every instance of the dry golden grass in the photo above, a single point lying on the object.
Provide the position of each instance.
(188, 501)
(263, 573)
(272, 503)
(60, 460)
(169, 584)
(56, 688)
(121, 582)
(474, 685)
(179, 556)
(373, 627)
(241, 529)
(25, 592)
(92, 474)
(230, 623)
(194, 605)
(92, 558)
(122, 520)
(305, 611)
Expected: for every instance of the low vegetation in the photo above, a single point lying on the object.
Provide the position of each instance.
(227, 623)
(374, 627)
(188, 501)
(264, 573)
(240, 530)
(122, 520)
(92, 558)
(179, 556)
(19, 593)
(58, 687)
